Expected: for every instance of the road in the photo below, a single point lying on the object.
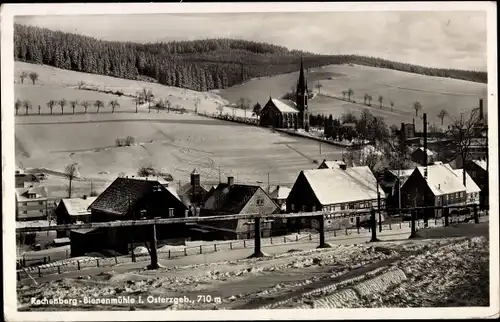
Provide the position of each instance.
(388, 235)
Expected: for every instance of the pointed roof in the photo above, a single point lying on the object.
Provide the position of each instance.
(302, 83)
(284, 106)
(194, 171)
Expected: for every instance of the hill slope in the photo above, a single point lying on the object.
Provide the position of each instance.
(200, 65)
(403, 89)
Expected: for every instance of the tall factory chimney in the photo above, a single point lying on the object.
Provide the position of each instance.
(425, 139)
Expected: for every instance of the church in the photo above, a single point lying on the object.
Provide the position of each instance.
(280, 113)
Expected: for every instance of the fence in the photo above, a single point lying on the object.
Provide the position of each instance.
(75, 265)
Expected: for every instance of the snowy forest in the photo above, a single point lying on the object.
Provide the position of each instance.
(199, 65)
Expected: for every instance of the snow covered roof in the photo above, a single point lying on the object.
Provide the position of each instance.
(39, 191)
(470, 185)
(403, 173)
(280, 192)
(284, 106)
(441, 179)
(332, 164)
(429, 152)
(481, 163)
(78, 206)
(333, 186)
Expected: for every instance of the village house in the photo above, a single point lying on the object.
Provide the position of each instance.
(193, 194)
(332, 164)
(434, 185)
(71, 211)
(130, 199)
(232, 199)
(24, 180)
(32, 203)
(334, 189)
(391, 181)
(279, 196)
(280, 113)
(472, 189)
(418, 156)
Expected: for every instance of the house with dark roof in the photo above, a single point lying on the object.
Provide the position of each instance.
(418, 156)
(279, 196)
(478, 170)
(24, 180)
(434, 185)
(279, 113)
(72, 210)
(193, 194)
(334, 189)
(136, 199)
(391, 181)
(231, 199)
(335, 164)
(32, 203)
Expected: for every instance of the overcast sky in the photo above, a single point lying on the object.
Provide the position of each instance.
(436, 39)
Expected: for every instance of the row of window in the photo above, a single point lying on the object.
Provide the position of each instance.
(31, 203)
(345, 206)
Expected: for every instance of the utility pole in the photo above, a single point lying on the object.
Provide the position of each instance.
(425, 165)
(268, 184)
(219, 175)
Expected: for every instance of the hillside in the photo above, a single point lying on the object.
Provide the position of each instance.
(199, 65)
(175, 143)
(402, 88)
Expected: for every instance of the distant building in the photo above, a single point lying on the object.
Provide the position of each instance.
(408, 130)
(434, 185)
(133, 199)
(32, 203)
(286, 114)
(478, 171)
(24, 180)
(279, 196)
(418, 156)
(71, 210)
(193, 193)
(231, 199)
(472, 189)
(332, 165)
(279, 113)
(391, 182)
(335, 189)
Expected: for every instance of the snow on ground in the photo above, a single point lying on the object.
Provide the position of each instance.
(453, 269)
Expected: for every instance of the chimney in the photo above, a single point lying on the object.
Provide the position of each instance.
(230, 181)
(84, 197)
(481, 115)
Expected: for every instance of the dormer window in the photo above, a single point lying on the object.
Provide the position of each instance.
(31, 195)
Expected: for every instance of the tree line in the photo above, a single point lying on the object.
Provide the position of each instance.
(198, 65)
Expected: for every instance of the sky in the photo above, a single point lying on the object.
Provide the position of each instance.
(443, 39)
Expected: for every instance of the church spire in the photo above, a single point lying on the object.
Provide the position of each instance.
(302, 78)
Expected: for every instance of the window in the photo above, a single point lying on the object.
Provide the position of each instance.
(260, 202)
(313, 208)
(25, 212)
(351, 220)
(292, 206)
(170, 212)
(40, 203)
(304, 208)
(342, 207)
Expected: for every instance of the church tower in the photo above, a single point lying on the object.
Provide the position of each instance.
(302, 97)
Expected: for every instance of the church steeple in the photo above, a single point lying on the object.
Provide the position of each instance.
(302, 83)
(302, 97)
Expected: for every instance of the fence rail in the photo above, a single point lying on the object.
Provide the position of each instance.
(76, 265)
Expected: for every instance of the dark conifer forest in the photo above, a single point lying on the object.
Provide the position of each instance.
(199, 65)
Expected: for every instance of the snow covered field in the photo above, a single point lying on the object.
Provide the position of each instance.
(451, 271)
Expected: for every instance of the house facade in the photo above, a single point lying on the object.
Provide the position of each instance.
(279, 196)
(32, 203)
(136, 199)
(418, 156)
(232, 199)
(335, 189)
(335, 164)
(71, 211)
(478, 171)
(471, 188)
(437, 185)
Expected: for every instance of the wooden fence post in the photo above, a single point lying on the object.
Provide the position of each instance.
(201, 249)
(78, 263)
(322, 242)
(97, 261)
(185, 251)
(257, 239)
(215, 247)
(446, 217)
(58, 269)
(244, 243)
(39, 272)
(230, 245)
(153, 249)
(413, 233)
(373, 220)
(476, 217)
(116, 260)
(169, 253)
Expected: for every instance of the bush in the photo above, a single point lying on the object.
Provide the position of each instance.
(129, 141)
(120, 142)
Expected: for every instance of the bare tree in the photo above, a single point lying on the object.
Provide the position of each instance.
(34, 77)
(256, 110)
(80, 84)
(50, 105)
(148, 97)
(442, 114)
(344, 93)
(197, 102)
(417, 106)
(220, 108)
(462, 132)
(85, 105)
(62, 103)
(39, 109)
(369, 98)
(392, 106)
(350, 93)
(23, 76)
(114, 104)
(319, 86)
(365, 97)
(17, 105)
(98, 104)
(73, 105)
(27, 106)
(168, 105)
(244, 104)
(380, 100)
(71, 172)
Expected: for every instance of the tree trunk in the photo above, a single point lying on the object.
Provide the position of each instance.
(69, 190)
(136, 107)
